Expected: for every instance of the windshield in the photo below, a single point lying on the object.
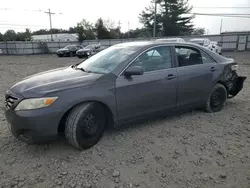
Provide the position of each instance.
(69, 47)
(168, 40)
(90, 47)
(107, 60)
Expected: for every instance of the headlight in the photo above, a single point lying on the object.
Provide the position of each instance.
(35, 103)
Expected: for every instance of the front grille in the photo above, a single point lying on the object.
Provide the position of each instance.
(9, 101)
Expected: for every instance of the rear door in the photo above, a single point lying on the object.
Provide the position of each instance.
(155, 90)
(195, 75)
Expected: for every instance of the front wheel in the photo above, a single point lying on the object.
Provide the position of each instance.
(216, 98)
(85, 125)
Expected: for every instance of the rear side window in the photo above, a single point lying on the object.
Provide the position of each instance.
(188, 56)
(206, 58)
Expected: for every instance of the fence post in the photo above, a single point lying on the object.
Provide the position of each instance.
(7, 50)
(32, 48)
(246, 42)
(238, 40)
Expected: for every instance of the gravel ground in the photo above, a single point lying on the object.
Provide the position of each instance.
(192, 150)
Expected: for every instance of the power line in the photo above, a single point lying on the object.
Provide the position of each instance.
(222, 15)
(225, 7)
(21, 25)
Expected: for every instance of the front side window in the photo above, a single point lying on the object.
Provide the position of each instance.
(108, 59)
(154, 59)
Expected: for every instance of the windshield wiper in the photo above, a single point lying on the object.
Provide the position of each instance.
(82, 69)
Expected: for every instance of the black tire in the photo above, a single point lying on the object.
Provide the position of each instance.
(216, 99)
(85, 125)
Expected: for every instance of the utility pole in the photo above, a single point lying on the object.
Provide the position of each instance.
(221, 25)
(119, 26)
(154, 31)
(51, 33)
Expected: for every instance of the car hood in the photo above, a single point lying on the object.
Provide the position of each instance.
(53, 80)
(63, 49)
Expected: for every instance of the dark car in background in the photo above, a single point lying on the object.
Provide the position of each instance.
(68, 51)
(122, 83)
(89, 50)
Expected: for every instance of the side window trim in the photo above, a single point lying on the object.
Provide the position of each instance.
(171, 53)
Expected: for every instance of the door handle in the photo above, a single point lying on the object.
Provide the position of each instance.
(170, 77)
(212, 69)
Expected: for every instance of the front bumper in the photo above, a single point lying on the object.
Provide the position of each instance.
(82, 54)
(32, 126)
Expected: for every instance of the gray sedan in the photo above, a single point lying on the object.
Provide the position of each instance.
(120, 84)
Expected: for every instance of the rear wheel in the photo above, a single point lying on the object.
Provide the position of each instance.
(85, 125)
(216, 98)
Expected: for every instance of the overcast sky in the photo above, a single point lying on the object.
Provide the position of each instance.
(126, 11)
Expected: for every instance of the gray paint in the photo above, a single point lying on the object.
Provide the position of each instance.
(127, 98)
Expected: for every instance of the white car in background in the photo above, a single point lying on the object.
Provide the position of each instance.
(202, 41)
(181, 40)
(216, 47)
(211, 45)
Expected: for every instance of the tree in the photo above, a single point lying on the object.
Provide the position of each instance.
(85, 30)
(41, 32)
(147, 19)
(80, 32)
(101, 31)
(137, 33)
(10, 35)
(172, 19)
(72, 30)
(1, 37)
(198, 31)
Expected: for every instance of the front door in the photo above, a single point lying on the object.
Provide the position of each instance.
(155, 90)
(195, 75)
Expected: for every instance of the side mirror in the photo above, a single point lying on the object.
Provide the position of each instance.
(134, 70)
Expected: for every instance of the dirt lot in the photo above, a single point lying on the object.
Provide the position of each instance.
(192, 150)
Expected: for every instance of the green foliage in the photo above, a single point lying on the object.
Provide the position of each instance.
(198, 31)
(171, 17)
(85, 31)
(101, 31)
(10, 35)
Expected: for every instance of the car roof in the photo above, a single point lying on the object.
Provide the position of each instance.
(198, 39)
(168, 39)
(147, 44)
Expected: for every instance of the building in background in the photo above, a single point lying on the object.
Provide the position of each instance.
(60, 37)
(235, 32)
